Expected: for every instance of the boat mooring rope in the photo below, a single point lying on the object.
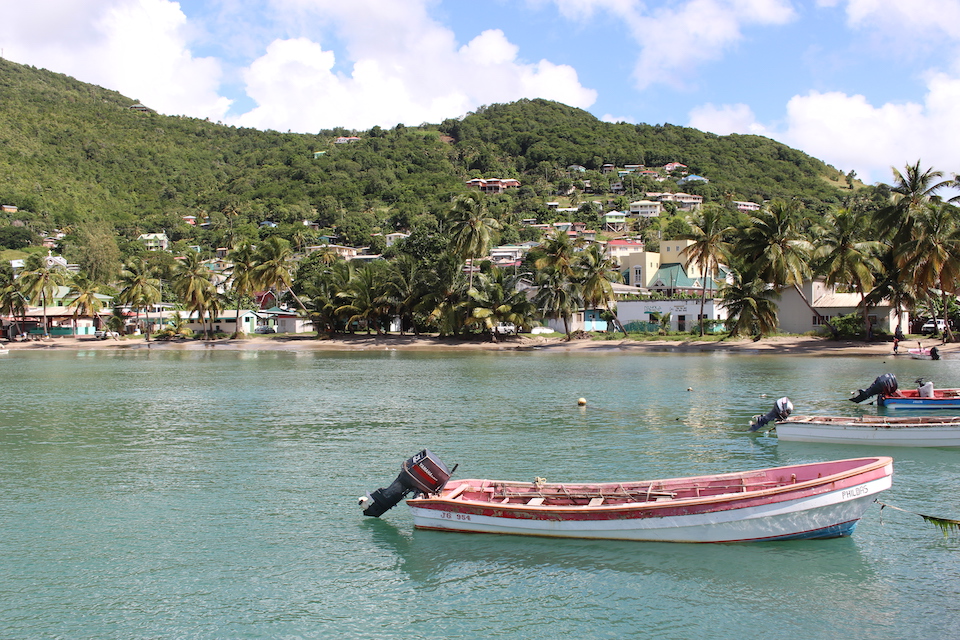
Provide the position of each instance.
(945, 524)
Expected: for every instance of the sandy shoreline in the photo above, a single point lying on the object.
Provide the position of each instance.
(362, 342)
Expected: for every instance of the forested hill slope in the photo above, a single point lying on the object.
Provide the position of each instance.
(75, 153)
(531, 134)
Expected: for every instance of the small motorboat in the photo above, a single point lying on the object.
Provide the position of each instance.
(925, 396)
(921, 353)
(926, 431)
(804, 501)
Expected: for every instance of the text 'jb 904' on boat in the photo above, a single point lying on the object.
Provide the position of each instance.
(817, 500)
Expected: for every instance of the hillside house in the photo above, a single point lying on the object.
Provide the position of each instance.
(645, 209)
(615, 221)
(347, 253)
(155, 241)
(619, 248)
(493, 185)
(796, 317)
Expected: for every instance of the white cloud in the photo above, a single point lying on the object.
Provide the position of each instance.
(400, 66)
(898, 18)
(848, 132)
(607, 117)
(136, 47)
(677, 37)
(726, 119)
(676, 40)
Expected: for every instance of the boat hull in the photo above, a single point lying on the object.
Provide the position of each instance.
(824, 510)
(891, 402)
(891, 432)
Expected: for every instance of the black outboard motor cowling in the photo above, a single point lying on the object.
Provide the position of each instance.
(423, 473)
(885, 384)
(782, 409)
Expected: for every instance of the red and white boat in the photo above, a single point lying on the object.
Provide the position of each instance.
(818, 500)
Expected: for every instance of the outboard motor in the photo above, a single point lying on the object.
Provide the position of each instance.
(885, 384)
(781, 409)
(934, 353)
(423, 473)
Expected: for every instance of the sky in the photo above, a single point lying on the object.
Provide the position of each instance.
(864, 85)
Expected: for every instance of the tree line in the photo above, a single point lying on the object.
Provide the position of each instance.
(904, 248)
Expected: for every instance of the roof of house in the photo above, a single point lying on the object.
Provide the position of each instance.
(673, 275)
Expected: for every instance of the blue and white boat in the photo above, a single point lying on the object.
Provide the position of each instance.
(925, 396)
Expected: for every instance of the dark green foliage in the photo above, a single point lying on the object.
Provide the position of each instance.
(527, 134)
(76, 154)
(16, 237)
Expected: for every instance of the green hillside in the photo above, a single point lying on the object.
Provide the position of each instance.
(77, 155)
(530, 137)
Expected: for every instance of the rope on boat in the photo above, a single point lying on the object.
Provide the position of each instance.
(945, 524)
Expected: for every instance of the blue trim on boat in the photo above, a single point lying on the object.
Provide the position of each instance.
(918, 403)
(834, 531)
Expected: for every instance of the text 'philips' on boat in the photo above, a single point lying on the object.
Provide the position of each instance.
(804, 501)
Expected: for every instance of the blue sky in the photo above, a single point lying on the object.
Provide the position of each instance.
(864, 85)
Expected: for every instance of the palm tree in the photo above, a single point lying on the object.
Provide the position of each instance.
(322, 305)
(40, 280)
(497, 300)
(708, 248)
(83, 298)
(891, 284)
(471, 229)
(139, 288)
(559, 254)
(932, 256)
(214, 307)
(406, 288)
(243, 282)
(447, 298)
(193, 285)
(597, 274)
(558, 296)
(911, 192)
(117, 321)
(364, 298)
(13, 304)
(776, 251)
(844, 257)
(750, 305)
(273, 271)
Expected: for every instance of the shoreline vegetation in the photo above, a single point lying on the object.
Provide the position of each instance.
(774, 345)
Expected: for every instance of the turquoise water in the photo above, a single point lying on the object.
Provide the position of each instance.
(189, 494)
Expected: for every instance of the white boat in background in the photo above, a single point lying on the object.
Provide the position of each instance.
(817, 500)
(926, 431)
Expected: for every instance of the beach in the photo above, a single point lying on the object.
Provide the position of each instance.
(776, 345)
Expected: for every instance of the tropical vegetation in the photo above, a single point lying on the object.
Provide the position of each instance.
(85, 174)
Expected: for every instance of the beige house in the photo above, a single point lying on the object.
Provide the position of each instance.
(796, 317)
(646, 209)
